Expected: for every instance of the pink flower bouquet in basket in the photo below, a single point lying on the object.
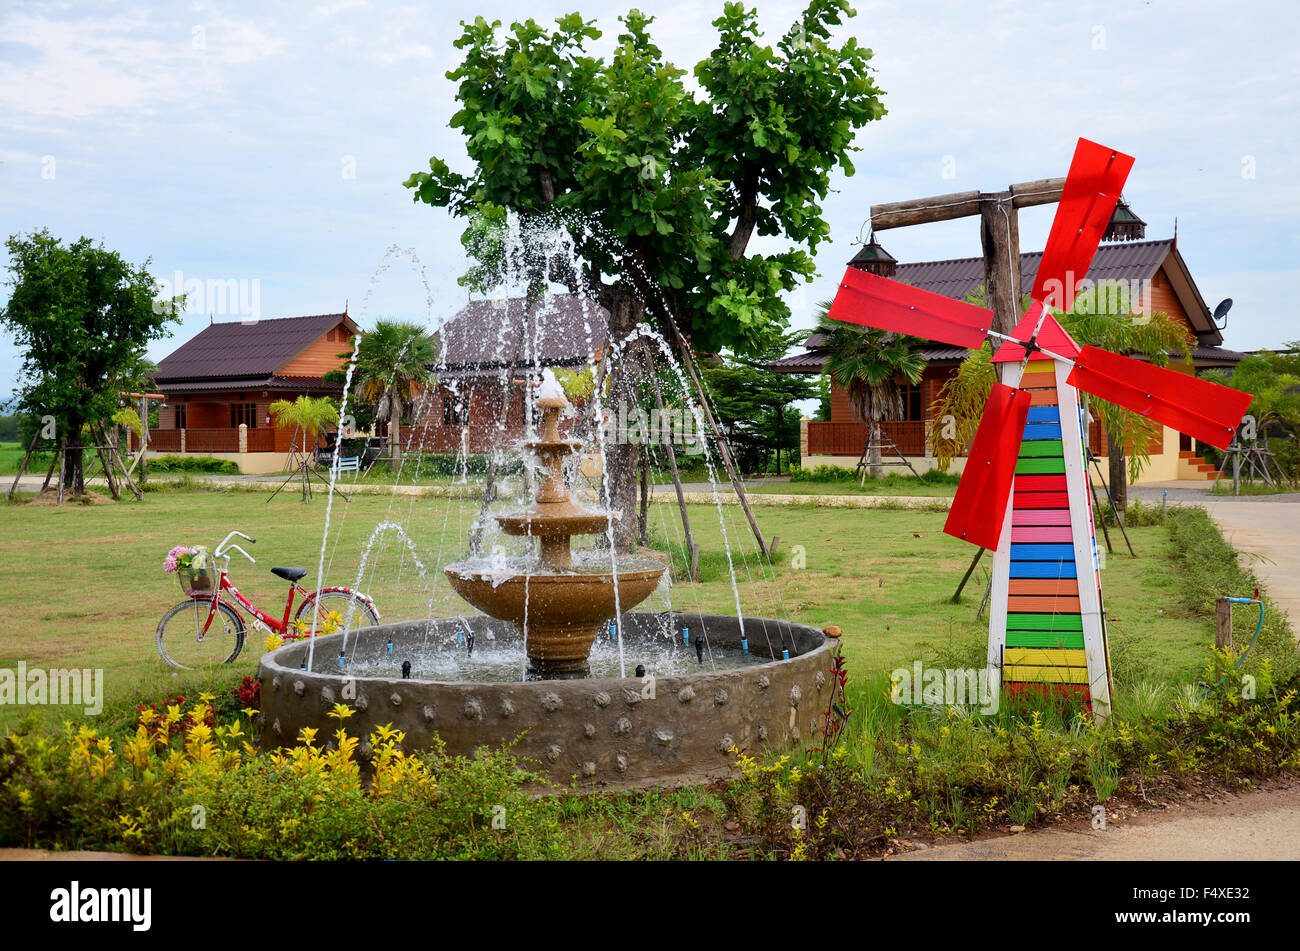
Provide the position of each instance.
(192, 569)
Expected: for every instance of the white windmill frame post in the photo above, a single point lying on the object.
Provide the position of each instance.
(1085, 545)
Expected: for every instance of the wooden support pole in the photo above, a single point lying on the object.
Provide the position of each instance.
(49, 473)
(1223, 624)
(956, 596)
(23, 467)
(723, 449)
(100, 440)
(126, 475)
(62, 457)
(1000, 238)
(692, 549)
(641, 528)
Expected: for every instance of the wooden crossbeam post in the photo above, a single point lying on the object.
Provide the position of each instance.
(999, 234)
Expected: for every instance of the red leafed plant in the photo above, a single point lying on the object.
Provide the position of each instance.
(835, 718)
(250, 693)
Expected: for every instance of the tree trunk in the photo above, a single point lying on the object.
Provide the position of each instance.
(626, 310)
(1118, 472)
(395, 429)
(74, 474)
(873, 453)
(642, 512)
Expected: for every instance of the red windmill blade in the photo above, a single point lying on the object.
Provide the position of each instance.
(873, 301)
(1199, 408)
(985, 487)
(1092, 187)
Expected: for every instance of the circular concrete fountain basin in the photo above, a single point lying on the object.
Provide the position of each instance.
(614, 731)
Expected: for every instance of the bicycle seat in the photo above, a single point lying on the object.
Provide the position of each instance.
(289, 574)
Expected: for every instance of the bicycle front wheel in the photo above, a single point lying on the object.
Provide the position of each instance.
(183, 643)
(339, 611)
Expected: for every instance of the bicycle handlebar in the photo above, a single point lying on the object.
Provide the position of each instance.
(226, 546)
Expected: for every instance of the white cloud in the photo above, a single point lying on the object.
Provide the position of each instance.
(80, 68)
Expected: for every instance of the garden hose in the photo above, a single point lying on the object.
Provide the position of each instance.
(1259, 626)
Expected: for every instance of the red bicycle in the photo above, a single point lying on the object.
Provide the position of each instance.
(206, 628)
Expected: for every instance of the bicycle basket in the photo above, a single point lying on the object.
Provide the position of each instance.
(196, 582)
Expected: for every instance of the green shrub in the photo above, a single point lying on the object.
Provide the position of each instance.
(825, 473)
(448, 464)
(188, 463)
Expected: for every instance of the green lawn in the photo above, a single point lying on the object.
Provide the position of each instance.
(11, 456)
(84, 585)
(908, 486)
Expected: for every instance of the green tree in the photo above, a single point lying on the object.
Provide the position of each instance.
(867, 363)
(1273, 378)
(753, 403)
(83, 317)
(662, 188)
(310, 416)
(393, 363)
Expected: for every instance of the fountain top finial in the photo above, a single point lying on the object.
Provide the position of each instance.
(550, 394)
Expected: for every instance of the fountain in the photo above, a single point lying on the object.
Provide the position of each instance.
(559, 608)
(546, 668)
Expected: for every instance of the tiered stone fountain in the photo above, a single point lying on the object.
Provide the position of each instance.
(560, 610)
(758, 682)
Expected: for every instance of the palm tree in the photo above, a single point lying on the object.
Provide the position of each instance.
(309, 415)
(392, 366)
(865, 363)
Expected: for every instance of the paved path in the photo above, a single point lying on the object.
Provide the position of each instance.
(1264, 528)
(1253, 826)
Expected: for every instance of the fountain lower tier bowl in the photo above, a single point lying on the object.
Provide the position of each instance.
(560, 614)
(677, 724)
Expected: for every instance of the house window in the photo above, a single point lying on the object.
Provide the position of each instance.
(450, 412)
(180, 417)
(245, 413)
(911, 401)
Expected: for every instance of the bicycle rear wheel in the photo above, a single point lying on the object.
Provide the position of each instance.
(183, 643)
(339, 611)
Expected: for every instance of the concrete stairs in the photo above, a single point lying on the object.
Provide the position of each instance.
(1192, 466)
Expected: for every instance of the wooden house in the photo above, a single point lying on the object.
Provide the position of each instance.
(487, 352)
(219, 386)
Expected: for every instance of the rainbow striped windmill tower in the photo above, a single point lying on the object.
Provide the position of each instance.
(1024, 492)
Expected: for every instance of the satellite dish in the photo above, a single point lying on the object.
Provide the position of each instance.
(1221, 312)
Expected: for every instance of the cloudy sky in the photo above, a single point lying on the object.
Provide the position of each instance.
(266, 143)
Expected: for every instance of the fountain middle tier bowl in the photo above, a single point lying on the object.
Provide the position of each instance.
(556, 520)
(560, 613)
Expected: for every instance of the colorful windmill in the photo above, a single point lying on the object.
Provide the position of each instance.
(1024, 492)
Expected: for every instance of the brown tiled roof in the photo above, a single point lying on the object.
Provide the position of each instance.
(235, 349)
(562, 330)
(814, 358)
(1125, 261)
(273, 382)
